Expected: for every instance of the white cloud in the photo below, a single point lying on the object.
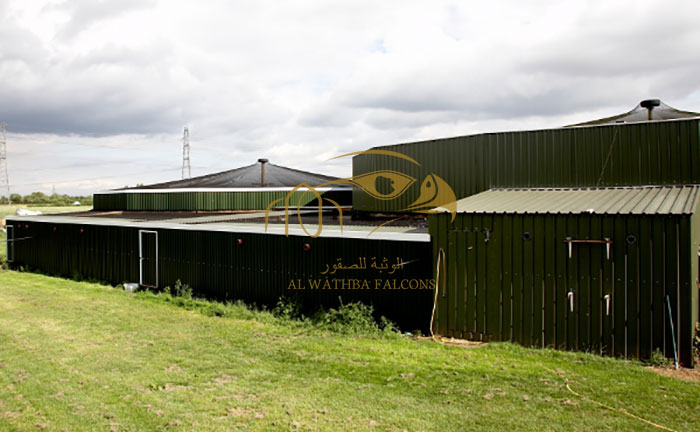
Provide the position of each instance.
(101, 90)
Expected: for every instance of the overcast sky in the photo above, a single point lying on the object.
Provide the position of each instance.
(95, 94)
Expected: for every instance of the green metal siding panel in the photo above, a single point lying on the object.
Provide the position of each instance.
(202, 201)
(505, 237)
(493, 285)
(608, 287)
(470, 313)
(686, 286)
(645, 287)
(528, 280)
(215, 266)
(691, 310)
(616, 155)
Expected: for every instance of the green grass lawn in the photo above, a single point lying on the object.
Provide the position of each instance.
(81, 356)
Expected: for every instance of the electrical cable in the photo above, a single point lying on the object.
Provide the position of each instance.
(611, 408)
(441, 253)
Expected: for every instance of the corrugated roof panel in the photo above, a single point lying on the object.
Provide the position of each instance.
(621, 200)
(247, 177)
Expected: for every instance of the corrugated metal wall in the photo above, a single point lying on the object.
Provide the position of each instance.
(184, 201)
(508, 278)
(258, 270)
(630, 154)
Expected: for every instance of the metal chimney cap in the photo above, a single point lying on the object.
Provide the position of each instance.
(650, 103)
(263, 161)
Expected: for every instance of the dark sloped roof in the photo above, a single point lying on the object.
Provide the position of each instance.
(647, 110)
(645, 200)
(246, 177)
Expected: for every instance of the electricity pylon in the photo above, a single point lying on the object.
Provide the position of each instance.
(4, 179)
(186, 154)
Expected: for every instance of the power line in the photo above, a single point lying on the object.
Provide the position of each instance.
(4, 178)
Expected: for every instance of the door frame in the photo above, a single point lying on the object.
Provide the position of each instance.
(142, 258)
(9, 243)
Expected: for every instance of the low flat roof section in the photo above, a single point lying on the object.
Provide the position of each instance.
(330, 231)
(642, 200)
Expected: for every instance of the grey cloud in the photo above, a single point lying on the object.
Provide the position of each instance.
(601, 61)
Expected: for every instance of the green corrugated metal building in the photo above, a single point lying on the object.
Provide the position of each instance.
(235, 261)
(647, 153)
(594, 269)
(582, 237)
(252, 187)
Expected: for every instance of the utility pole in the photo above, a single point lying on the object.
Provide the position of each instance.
(4, 181)
(186, 154)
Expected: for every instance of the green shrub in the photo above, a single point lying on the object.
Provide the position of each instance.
(353, 318)
(287, 309)
(658, 359)
(182, 290)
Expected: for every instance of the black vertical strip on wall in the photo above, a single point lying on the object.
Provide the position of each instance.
(597, 251)
(619, 306)
(505, 239)
(539, 245)
(561, 281)
(440, 243)
(633, 255)
(492, 232)
(608, 285)
(585, 273)
(518, 280)
(686, 300)
(452, 285)
(461, 278)
(471, 274)
(528, 280)
(658, 290)
(645, 286)
(480, 273)
(671, 281)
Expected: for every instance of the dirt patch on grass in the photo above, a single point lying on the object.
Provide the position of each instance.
(451, 341)
(682, 373)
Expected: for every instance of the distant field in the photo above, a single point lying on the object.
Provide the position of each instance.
(6, 210)
(81, 356)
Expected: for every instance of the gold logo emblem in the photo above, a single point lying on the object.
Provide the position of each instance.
(435, 194)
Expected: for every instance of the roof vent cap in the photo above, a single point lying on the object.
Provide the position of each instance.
(263, 161)
(650, 103)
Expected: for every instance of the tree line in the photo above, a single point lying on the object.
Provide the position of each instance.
(40, 198)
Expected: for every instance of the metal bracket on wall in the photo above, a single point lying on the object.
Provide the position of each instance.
(606, 241)
(570, 296)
